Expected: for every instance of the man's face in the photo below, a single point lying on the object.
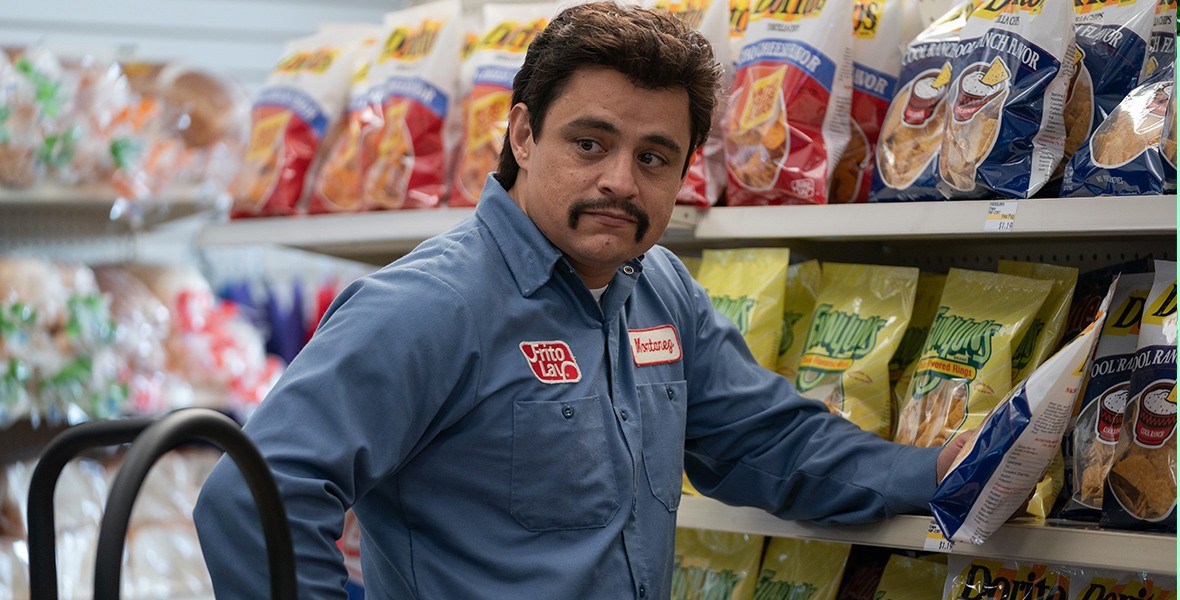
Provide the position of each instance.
(601, 179)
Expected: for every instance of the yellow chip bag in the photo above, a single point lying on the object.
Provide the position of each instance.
(747, 285)
(965, 366)
(803, 281)
(911, 579)
(1044, 334)
(715, 564)
(795, 569)
(860, 314)
(692, 263)
(905, 359)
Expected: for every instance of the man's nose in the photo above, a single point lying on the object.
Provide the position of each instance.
(617, 179)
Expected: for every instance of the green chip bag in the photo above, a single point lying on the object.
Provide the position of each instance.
(747, 285)
(901, 366)
(911, 579)
(796, 569)
(717, 565)
(860, 315)
(803, 281)
(1044, 334)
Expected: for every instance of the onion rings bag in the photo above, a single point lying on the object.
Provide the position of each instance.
(905, 359)
(911, 579)
(803, 284)
(1044, 333)
(715, 564)
(795, 569)
(747, 285)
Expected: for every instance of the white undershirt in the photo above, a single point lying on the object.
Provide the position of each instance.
(597, 293)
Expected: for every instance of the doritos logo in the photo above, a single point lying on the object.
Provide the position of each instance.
(1082, 7)
(787, 10)
(317, 62)
(407, 44)
(739, 17)
(551, 362)
(690, 12)
(990, 9)
(511, 36)
(866, 15)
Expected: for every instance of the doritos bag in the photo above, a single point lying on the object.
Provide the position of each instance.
(417, 67)
(298, 107)
(911, 579)
(494, 61)
(715, 564)
(911, 136)
(1140, 490)
(1161, 49)
(1092, 288)
(859, 317)
(1044, 333)
(803, 282)
(969, 577)
(965, 366)
(876, 63)
(747, 286)
(794, 569)
(739, 20)
(1004, 131)
(926, 299)
(787, 120)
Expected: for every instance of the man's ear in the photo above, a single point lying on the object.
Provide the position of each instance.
(520, 134)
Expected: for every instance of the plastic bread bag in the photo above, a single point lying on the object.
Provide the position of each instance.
(14, 568)
(103, 95)
(1161, 49)
(1140, 490)
(143, 324)
(794, 568)
(1094, 430)
(803, 284)
(859, 318)
(747, 286)
(904, 361)
(786, 124)
(715, 564)
(495, 58)
(1001, 463)
(1005, 132)
(965, 366)
(417, 68)
(20, 131)
(908, 578)
(1044, 334)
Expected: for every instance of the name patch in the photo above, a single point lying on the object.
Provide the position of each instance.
(655, 346)
(552, 362)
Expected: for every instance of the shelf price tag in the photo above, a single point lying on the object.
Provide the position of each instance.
(1001, 215)
(935, 540)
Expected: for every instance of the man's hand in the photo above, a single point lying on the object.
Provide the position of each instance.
(951, 451)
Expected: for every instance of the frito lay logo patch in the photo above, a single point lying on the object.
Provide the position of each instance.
(552, 362)
(655, 346)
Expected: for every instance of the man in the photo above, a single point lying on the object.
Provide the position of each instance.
(508, 409)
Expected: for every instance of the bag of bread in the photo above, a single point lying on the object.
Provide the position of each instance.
(908, 578)
(495, 58)
(787, 119)
(747, 286)
(965, 366)
(905, 359)
(1161, 48)
(795, 569)
(1140, 491)
(417, 68)
(1094, 430)
(1044, 333)
(859, 317)
(715, 564)
(911, 135)
(803, 283)
(1005, 132)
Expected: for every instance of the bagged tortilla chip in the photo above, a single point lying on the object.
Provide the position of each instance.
(866, 565)
(1140, 491)
(793, 569)
(965, 366)
(787, 120)
(1010, 452)
(1044, 333)
(860, 314)
(1101, 584)
(715, 564)
(1161, 48)
(911, 579)
(979, 578)
(1092, 287)
(1094, 430)
(911, 136)
(803, 282)
(739, 20)
(905, 359)
(747, 286)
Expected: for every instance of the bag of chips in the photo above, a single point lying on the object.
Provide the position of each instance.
(866, 565)
(977, 578)
(1140, 491)
(1002, 461)
(1092, 434)
(1005, 132)
(794, 569)
(911, 136)
(739, 20)
(965, 366)
(1044, 333)
(803, 282)
(911, 579)
(905, 359)
(495, 58)
(787, 120)
(417, 68)
(1092, 288)
(747, 285)
(1161, 48)
(859, 317)
(715, 564)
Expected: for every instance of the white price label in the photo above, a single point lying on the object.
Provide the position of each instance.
(935, 541)
(1001, 215)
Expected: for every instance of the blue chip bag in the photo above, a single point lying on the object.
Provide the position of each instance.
(1161, 49)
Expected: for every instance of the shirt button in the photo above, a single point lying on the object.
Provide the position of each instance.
(671, 394)
(568, 411)
(623, 413)
(642, 591)
(628, 269)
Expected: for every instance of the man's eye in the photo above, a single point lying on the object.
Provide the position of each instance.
(648, 158)
(587, 145)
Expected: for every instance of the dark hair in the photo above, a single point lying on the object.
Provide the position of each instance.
(653, 49)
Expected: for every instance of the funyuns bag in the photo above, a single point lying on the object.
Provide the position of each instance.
(747, 286)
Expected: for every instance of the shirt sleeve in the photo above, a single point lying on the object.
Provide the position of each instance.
(383, 373)
(752, 440)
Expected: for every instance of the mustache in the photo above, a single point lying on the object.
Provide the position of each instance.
(581, 207)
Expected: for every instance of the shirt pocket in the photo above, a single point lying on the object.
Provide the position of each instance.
(664, 406)
(562, 476)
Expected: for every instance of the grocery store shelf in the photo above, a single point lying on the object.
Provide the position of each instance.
(1043, 544)
(100, 201)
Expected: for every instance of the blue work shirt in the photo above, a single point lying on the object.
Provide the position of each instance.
(500, 434)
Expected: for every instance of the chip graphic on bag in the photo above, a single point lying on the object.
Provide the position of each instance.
(715, 564)
(794, 568)
(803, 284)
(747, 286)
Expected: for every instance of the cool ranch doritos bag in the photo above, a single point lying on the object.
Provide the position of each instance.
(417, 68)
(495, 58)
(1161, 49)
(796, 569)
(911, 136)
(298, 106)
(747, 286)
(715, 564)
(787, 120)
(876, 63)
(1004, 131)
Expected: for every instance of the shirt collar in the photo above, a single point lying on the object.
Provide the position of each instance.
(529, 254)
